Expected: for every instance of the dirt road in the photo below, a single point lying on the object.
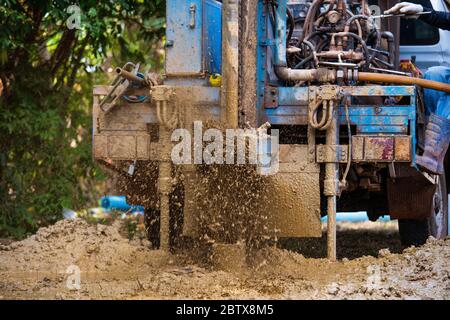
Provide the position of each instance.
(372, 265)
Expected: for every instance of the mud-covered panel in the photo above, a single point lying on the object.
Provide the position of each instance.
(124, 115)
(129, 117)
(122, 133)
(294, 204)
(293, 195)
(358, 148)
(100, 146)
(142, 146)
(122, 147)
(229, 202)
(197, 104)
(184, 37)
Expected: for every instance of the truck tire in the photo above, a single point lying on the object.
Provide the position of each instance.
(416, 232)
(413, 232)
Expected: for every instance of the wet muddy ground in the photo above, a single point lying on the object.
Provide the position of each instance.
(74, 259)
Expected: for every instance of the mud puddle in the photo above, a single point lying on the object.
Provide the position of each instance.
(74, 259)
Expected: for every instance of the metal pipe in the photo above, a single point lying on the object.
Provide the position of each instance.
(164, 183)
(289, 74)
(391, 46)
(164, 206)
(230, 63)
(355, 36)
(331, 185)
(291, 24)
(322, 75)
(129, 76)
(330, 7)
(331, 227)
(358, 25)
(390, 78)
(363, 7)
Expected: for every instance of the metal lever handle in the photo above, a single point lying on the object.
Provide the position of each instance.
(399, 15)
(192, 10)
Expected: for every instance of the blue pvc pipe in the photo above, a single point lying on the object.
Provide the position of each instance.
(115, 203)
(355, 217)
(118, 203)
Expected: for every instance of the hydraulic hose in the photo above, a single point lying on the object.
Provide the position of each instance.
(313, 9)
(323, 75)
(327, 115)
(291, 24)
(390, 78)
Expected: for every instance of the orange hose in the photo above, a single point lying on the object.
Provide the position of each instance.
(390, 78)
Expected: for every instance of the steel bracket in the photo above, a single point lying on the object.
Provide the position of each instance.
(329, 92)
(271, 98)
(162, 93)
(332, 153)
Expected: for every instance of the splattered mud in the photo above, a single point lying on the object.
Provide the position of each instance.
(372, 265)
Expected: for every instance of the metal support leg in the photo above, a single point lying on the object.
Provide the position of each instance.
(168, 121)
(331, 228)
(230, 62)
(165, 169)
(332, 188)
(165, 186)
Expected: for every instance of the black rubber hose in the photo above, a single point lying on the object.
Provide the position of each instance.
(303, 62)
(291, 19)
(291, 25)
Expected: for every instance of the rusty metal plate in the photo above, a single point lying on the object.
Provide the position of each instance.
(271, 97)
(379, 148)
(403, 148)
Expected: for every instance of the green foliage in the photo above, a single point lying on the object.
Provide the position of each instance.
(47, 72)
